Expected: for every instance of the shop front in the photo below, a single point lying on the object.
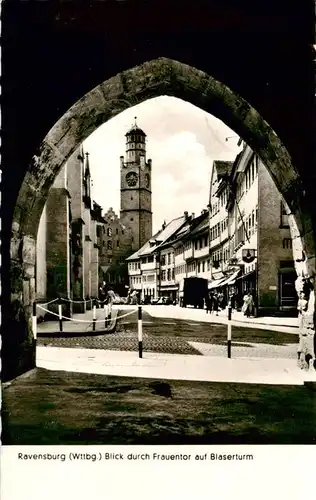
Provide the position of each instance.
(169, 291)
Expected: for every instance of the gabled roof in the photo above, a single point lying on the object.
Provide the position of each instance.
(159, 238)
(223, 168)
(204, 224)
(186, 231)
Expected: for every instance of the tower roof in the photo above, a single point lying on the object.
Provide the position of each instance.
(135, 130)
(87, 169)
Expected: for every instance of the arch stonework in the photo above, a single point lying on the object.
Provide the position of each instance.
(155, 78)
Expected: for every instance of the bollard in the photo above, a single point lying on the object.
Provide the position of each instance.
(229, 332)
(110, 309)
(105, 307)
(34, 321)
(140, 332)
(94, 315)
(60, 314)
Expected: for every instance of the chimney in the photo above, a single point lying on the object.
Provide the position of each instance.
(193, 215)
(164, 225)
(186, 215)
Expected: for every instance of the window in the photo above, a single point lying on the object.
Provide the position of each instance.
(199, 267)
(169, 258)
(287, 243)
(284, 216)
(203, 266)
(172, 274)
(117, 244)
(163, 275)
(109, 245)
(163, 260)
(122, 232)
(208, 264)
(169, 275)
(253, 175)
(109, 231)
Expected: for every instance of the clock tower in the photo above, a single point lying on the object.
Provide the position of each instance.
(136, 188)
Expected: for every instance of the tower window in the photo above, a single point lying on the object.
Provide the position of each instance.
(109, 231)
(132, 219)
(131, 197)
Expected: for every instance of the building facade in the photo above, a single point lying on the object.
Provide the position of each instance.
(115, 247)
(78, 248)
(151, 268)
(67, 257)
(250, 240)
(241, 243)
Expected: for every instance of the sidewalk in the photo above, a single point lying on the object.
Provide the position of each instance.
(173, 366)
(287, 325)
(79, 323)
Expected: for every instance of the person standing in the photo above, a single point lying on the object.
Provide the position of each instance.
(247, 307)
(302, 308)
(215, 303)
(209, 303)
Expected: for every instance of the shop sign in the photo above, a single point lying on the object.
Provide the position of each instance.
(248, 255)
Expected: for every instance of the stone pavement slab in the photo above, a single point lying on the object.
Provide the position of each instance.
(173, 367)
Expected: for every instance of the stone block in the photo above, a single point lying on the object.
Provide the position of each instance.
(29, 250)
(28, 271)
(16, 277)
(15, 247)
(26, 293)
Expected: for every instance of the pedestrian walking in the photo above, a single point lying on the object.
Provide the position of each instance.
(215, 303)
(209, 303)
(247, 307)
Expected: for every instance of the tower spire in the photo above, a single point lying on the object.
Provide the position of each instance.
(87, 169)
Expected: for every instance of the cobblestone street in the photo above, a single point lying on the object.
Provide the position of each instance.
(176, 336)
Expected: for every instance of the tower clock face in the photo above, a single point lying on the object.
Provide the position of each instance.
(131, 179)
(147, 180)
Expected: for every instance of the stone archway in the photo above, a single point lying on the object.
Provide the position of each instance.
(158, 77)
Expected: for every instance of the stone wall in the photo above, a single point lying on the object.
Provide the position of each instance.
(270, 242)
(57, 243)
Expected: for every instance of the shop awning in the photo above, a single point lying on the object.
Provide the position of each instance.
(168, 288)
(231, 279)
(247, 275)
(215, 283)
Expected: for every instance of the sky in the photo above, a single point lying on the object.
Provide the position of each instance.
(182, 141)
